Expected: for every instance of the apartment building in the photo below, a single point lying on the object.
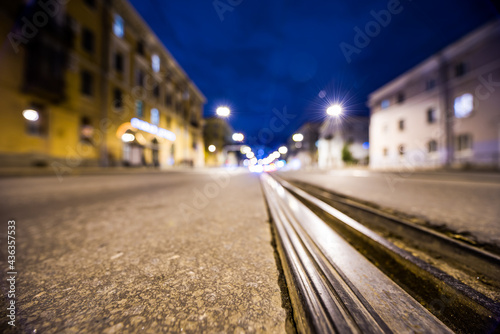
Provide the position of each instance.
(88, 82)
(443, 112)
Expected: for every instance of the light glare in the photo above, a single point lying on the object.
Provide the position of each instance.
(30, 115)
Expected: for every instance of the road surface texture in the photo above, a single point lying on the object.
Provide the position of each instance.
(467, 203)
(149, 253)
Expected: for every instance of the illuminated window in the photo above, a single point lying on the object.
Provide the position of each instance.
(155, 63)
(86, 130)
(385, 104)
(118, 26)
(464, 105)
(155, 116)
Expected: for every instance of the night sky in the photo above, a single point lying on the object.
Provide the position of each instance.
(258, 56)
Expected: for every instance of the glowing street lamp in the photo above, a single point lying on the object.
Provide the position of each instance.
(238, 137)
(212, 148)
(334, 110)
(283, 150)
(223, 111)
(31, 115)
(245, 149)
(250, 155)
(298, 137)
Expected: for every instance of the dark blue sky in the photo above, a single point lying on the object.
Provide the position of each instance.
(267, 55)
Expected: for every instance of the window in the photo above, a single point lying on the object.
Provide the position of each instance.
(169, 122)
(140, 48)
(463, 105)
(156, 90)
(459, 69)
(36, 126)
(87, 83)
(401, 150)
(119, 62)
(430, 84)
(140, 78)
(117, 98)
(90, 3)
(86, 129)
(431, 115)
(118, 26)
(139, 108)
(168, 100)
(155, 63)
(401, 97)
(401, 125)
(464, 142)
(432, 146)
(88, 40)
(155, 116)
(385, 104)
(385, 151)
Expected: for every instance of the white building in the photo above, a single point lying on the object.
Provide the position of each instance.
(443, 112)
(335, 134)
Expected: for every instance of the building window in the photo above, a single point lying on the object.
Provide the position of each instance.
(88, 40)
(401, 124)
(464, 142)
(168, 100)
(401, 97)
(86, 130)
(87, 83)
(155, 63)
(156, 90)
(90, 3)
(430, 84)
(169, 122)
(140, 78)
(36, 120)
(155, 116)
(118, 62)
(401, 150)
(385, 151)
(432, 146)
(118, 26)
(385, 104)
(463, 105)
(139, 108)
(459, 70)
(140, 48)
(117, 98)
(431, 115)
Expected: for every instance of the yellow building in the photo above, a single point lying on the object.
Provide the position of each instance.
(89, 83)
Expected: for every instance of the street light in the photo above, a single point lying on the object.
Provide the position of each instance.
(238, 137)
(223, 111)
(298, 137)
(250, 155)
(30, 115)
(245, 149)
(211, 148)
(334, 110)
(283, 150)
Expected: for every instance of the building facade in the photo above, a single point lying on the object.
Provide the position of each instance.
(343, 141)
(304, 153)
(217, 133)
(88, 82)
(443, 112)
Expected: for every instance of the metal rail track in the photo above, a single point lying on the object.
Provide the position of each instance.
(343, 277)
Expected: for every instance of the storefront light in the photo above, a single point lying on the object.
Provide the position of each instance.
(128, 137)
(153, 129)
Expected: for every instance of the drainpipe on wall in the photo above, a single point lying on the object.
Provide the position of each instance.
(105, 41)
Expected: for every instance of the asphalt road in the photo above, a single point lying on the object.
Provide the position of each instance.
(467, 203)
(170, 252)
